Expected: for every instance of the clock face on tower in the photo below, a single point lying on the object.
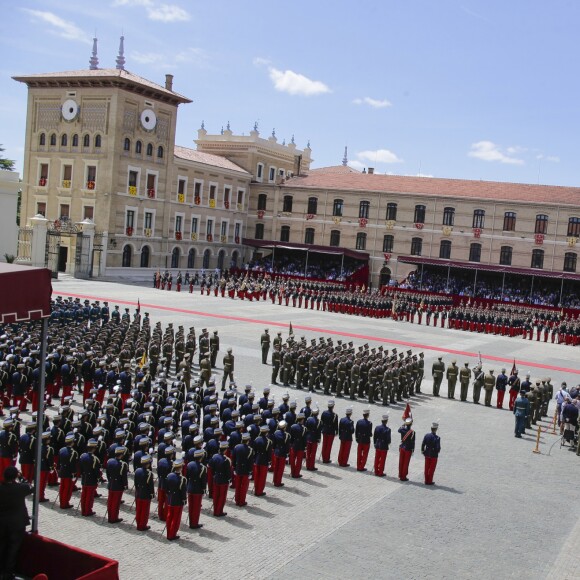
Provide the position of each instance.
(148, 120)
(69, 110)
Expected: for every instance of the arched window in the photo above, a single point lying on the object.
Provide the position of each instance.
(160, 152)
(206, 257)
(478, 218)
(191, 258)
(42, 139)
(448, 216)
(75, 140)
(98, 142)
(391, 212)
(285, 234)
(541, 224)
(175, 255)
(287, 204)
(445, 249)
(570, 259)
(509, 221)
(363, 209)
(388, 243)
(312, 206)
(145, 254)
(138, 147)
(86, 141)
(335, 238)
(361, 241)
(127, 255)
(475, 253)
(53, 140)
(262, 199)
(573, 227)
(127, 144)
(416, 246)
(505, 256)
(309, 236)
(64, 140)
(220, 260)
(419, 214)
(234, 260)
(537, 259)
(149, 150)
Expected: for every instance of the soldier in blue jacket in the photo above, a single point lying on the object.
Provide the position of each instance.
(363, 434)
(90, 467)
(281, 449)
(430, 448)
(26, 452)
(345, 434)
(521, 412)
(329, 430)
(176, 488)
(382, 440)
(221, 467)
(313, 430)
(406, 448)
(196, 486)
(297, 446)
(67, 469)
(243, 459)
(262, 449)
(164, 467)
(117, 471)
(144, 492)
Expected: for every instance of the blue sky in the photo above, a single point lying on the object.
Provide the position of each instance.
(471, 89)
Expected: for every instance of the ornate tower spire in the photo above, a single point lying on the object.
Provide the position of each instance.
(94, 60)
(121, 56)
(345, 158)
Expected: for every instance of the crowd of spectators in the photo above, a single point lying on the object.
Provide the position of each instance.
(329, 267)
(492, 286)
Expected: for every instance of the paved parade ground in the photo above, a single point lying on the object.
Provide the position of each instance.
(497, 509)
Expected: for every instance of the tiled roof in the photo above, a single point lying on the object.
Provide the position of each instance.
(334, 178)
(341, 169)
(101, 73)
(207, 159)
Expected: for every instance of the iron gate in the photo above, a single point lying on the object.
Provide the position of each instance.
(83, 257)
(52, 252)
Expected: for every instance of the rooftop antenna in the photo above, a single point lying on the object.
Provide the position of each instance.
(345, 158)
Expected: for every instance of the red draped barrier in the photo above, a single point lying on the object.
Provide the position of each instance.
(58, 561)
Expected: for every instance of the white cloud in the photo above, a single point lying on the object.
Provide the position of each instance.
(259, 61)
(379, 156)
(294, 83)
(60, 27)
(160, 12)
(552, 158)
(489, 151)
(195, 56)
(374, 103)
(356, 165)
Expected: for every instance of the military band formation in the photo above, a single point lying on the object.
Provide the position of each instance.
(511, 320)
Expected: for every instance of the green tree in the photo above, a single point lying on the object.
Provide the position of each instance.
(5, 164)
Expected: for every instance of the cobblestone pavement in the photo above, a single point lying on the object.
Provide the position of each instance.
(497, 511)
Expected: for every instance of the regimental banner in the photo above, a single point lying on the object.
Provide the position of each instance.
(193, 236)
(212, 203)
(261, 213)
(362, 222)
(181, 198)
(223, 239)
(390, 224)
(132, 190)
(387, 257)
(310, 216)
(447, 230)
(477, 232)
(539, 238)
(571, 241)
(419, 226)
(178, 235)
(148, 232)
(336, 219)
